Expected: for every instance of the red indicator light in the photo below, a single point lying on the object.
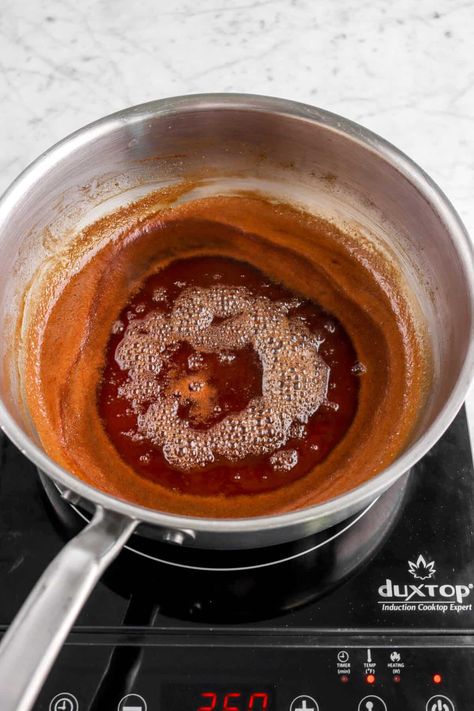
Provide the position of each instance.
(437, 678)
(370, 679)
(344, 678)
(397, 678)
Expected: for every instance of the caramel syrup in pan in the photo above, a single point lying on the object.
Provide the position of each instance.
(196, 393)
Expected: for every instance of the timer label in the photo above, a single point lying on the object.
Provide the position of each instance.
(343, 662)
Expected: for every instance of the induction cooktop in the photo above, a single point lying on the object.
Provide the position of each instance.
(376, 618)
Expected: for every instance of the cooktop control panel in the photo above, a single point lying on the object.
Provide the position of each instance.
(281, 677)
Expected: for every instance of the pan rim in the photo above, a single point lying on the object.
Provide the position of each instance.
(353, 499)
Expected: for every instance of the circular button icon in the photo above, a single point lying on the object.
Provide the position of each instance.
(304, 703)
(440, 703)
(372, 703)
(132, 702)
(343, 656)
(64, 702)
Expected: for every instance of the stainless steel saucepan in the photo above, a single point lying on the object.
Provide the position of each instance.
(332, 166)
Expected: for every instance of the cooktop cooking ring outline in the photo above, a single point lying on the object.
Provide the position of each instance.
(236, 569)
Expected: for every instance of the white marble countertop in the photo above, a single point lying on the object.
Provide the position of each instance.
(403, 69)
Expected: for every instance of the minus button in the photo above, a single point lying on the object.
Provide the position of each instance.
(132, 702)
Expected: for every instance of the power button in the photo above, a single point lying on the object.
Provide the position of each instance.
(440, 703)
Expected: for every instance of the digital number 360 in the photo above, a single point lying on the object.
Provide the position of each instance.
(233, 701)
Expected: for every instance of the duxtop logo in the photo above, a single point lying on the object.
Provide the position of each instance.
(421, 570)
(424, 597)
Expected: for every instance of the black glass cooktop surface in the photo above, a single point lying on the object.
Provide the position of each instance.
(396, 631)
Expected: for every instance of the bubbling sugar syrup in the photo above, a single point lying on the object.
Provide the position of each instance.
(219, 381)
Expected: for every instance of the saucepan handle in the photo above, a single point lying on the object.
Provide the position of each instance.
(33, 641)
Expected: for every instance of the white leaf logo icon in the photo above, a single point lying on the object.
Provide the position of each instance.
(421, 569)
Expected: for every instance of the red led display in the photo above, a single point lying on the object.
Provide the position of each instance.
(256, 699)
(437, 678)
(214, 696)
(229, 702)
(233, 701)
(370, 679)
(210, 696)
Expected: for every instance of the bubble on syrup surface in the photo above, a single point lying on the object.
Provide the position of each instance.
(195, 361)
(284, 460)
(294, 376)
(226, 357)
(330, 405)
(160, 294)
(358, 368)
(297, 430)
(117, 327)
(196, 385)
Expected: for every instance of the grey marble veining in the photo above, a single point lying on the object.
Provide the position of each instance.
(404, 69)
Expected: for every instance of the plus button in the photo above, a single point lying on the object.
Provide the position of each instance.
(304, 703)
